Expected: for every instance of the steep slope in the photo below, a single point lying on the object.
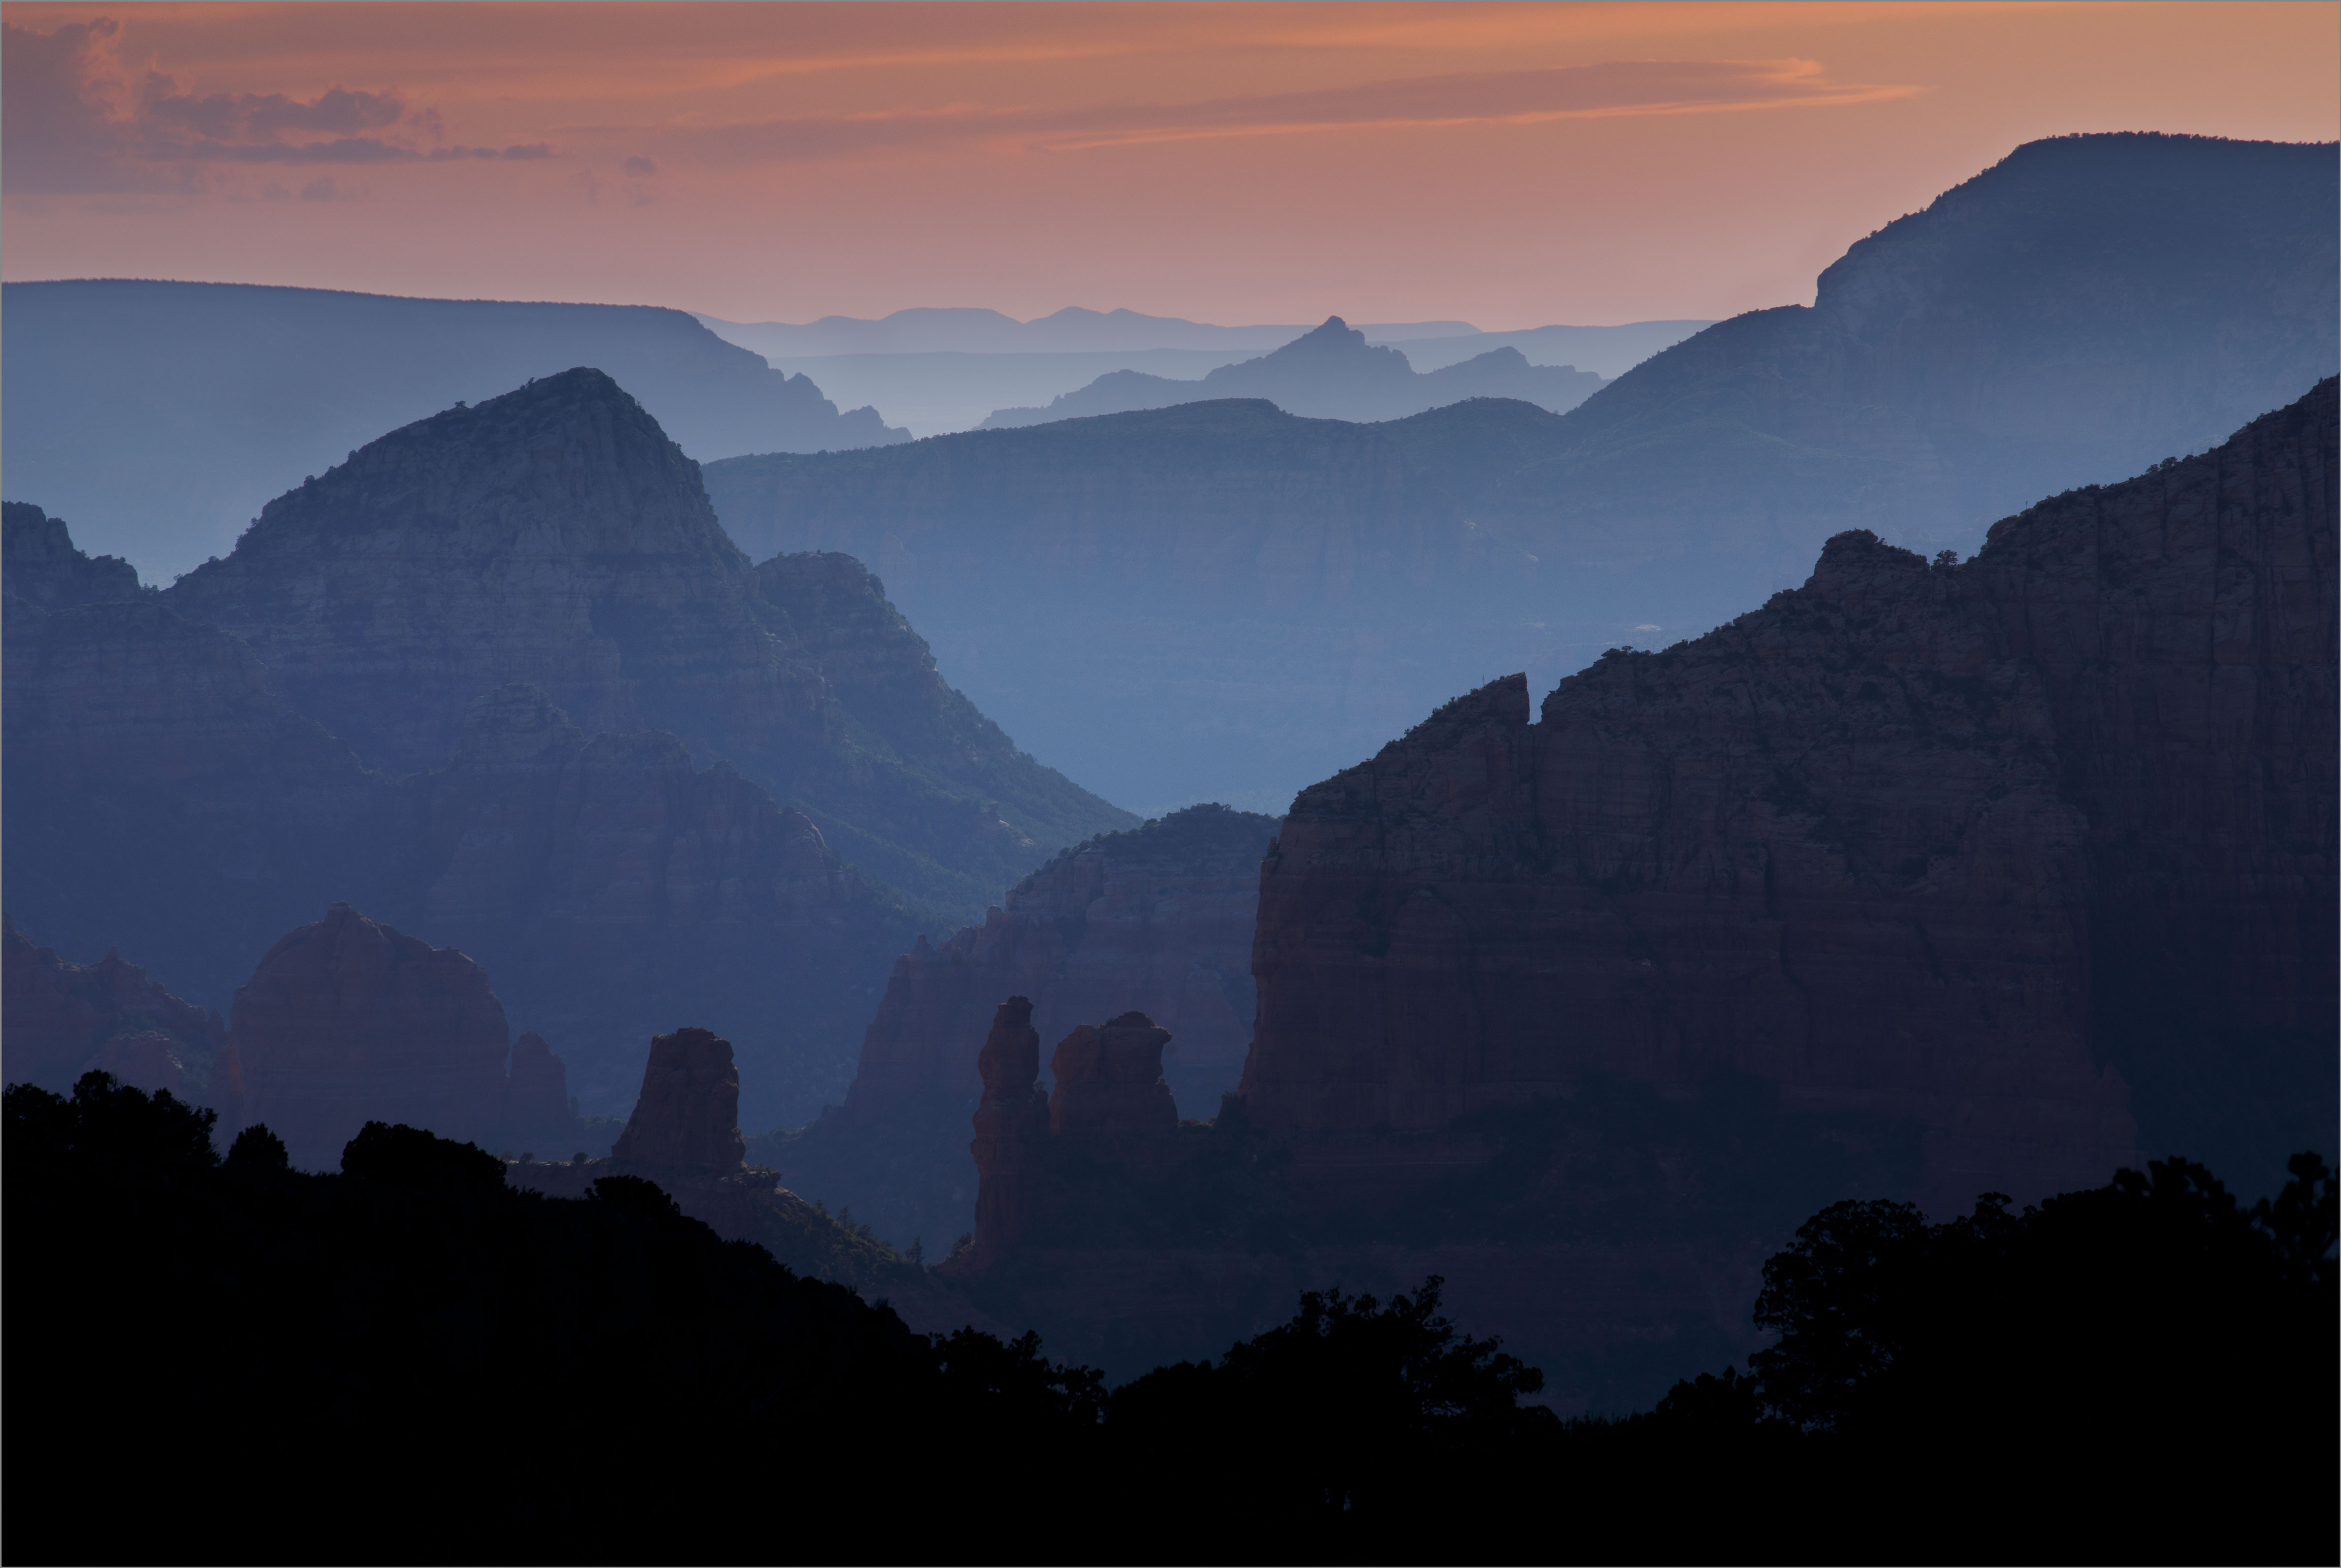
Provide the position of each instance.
(614, 890)
(554, 538)
(1158, 918)
(237, 391)
(1329, 374)
(2087, 306)
(1231, 574)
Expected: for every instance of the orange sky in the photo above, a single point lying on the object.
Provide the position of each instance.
(1509, 165)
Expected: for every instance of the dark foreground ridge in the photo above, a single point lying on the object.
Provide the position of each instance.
(2145, 1371)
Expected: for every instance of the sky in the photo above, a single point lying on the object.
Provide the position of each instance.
(1509, 166)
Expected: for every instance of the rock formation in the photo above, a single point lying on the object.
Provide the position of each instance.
(347, 1022)
(39, 564)
(1159, 917)
(1925, 879)
(1012, 1129)
(688, 1116)
(1110, 1092)
(61, 1019)
(1883, 843)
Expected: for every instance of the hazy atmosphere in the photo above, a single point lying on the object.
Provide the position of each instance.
(1268, 763)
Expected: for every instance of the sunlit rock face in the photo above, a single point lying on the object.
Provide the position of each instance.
(2026, 853)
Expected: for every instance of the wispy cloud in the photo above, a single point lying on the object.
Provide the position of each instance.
(1514, 97)
(79, 120)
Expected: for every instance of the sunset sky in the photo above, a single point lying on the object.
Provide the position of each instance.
(1509, 165)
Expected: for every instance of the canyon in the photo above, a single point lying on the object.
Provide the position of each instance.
(1928, 878)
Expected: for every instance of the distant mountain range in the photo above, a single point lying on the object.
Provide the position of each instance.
(1069, 330)
(940, 371)
(159, 417)
(1331, 373)
(2085, 308)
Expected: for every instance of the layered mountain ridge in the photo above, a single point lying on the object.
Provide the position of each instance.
(238, 390)
(1331, 372)
(1933, 387)
(765, 789)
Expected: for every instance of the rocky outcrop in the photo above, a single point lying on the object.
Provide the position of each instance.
(1107, 1132)
(39, 564)
(62, 1020)
(1012, 1129)
(347, 1022)
(688, 1116)
(1110, 1092)
(1159, 915)
(555, 537)
(1880, 844)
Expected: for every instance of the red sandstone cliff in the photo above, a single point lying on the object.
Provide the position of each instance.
(61, 1019)
(1878, 843)
(347, 1022)
(688, 1115)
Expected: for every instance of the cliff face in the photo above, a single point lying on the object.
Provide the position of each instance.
(39, 564)
(554, 536)
(347, 1022)
(1999, 849)
(688, 1116)
(62, 1020)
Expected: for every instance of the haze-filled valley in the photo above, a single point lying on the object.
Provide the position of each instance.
(1302, 920)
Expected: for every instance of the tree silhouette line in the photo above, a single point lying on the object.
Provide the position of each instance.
(408, 1360)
